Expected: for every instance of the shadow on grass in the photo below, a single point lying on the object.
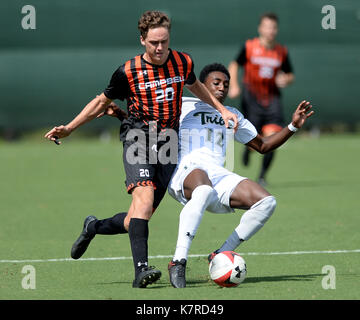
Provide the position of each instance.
(193, 283)
(298, 277)
(156, 285)
(160, 284)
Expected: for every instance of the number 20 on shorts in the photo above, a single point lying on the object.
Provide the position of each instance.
(144, 173)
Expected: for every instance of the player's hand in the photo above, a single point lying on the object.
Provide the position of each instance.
(113, 110)
(230, 119)
(302, 112)
(57, 133)
(281, 80)
(234, 91)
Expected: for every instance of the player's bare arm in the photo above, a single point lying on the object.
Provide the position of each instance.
(91, 111)
(269, 143)
(283, 80)
(200, 90)
(113, 110)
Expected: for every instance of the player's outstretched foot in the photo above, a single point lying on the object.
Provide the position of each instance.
(81, 243)
(148, 275)
(212, 255)
(177, 273)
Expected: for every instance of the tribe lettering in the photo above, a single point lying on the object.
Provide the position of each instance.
(208, 117)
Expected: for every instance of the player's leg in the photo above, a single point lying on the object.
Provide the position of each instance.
(252, 112)
(140, 176)
(268, 158)
(82, 242)
(199, 193)
(260, 205)
(144, 203)
(109, 226)
(138, 216)
(272, 122)
(137, 219)
(93, 226)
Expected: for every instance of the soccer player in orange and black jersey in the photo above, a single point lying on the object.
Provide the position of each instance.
(261, 66)
(153, 92)
(267, 68)
(152, 84)
(154, 96)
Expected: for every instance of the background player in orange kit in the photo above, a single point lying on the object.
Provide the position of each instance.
(152, 83)
(267, 68)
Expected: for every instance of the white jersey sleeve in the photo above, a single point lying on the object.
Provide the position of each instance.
(246, 130)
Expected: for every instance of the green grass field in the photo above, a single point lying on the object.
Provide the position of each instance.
(47, 190)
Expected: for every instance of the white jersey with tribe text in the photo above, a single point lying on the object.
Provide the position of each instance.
(203, 134)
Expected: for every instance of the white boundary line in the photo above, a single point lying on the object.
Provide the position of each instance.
(190, 256)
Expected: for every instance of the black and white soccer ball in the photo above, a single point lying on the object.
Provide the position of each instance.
(227, 269)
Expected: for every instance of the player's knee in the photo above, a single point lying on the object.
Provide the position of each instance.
(272, 203)
(267, 205)
(142, 208)
(143, 199)
(204, 194)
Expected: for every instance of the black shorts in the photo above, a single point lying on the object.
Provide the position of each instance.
(262, 116)
(142, 167)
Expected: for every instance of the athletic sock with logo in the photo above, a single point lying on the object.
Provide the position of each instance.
(250, 223)
(139, 235)
(190, 218)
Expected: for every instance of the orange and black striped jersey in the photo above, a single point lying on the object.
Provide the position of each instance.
(153, 92)
(260, 68)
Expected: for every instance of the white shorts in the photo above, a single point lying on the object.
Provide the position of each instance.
(224, 182)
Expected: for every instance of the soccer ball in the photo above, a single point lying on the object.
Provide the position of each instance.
(227, 269)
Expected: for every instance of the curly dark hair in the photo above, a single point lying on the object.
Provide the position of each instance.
(153, 19)
(212, 68)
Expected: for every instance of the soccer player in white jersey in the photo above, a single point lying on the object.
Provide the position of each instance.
(200, 181)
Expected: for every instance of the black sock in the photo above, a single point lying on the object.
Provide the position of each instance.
(114, 225)
(268, 158)
(139, 234)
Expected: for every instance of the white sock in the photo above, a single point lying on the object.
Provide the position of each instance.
(190, 218)
(253, 219)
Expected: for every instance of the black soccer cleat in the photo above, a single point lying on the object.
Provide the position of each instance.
(148, 275)
(177, 273)
(81, 244)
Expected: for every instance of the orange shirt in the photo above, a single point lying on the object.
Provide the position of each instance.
(260, 68)
(153, 92)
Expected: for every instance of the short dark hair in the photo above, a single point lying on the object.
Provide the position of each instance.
(212, 68)
(153, 19)
(269, 15)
